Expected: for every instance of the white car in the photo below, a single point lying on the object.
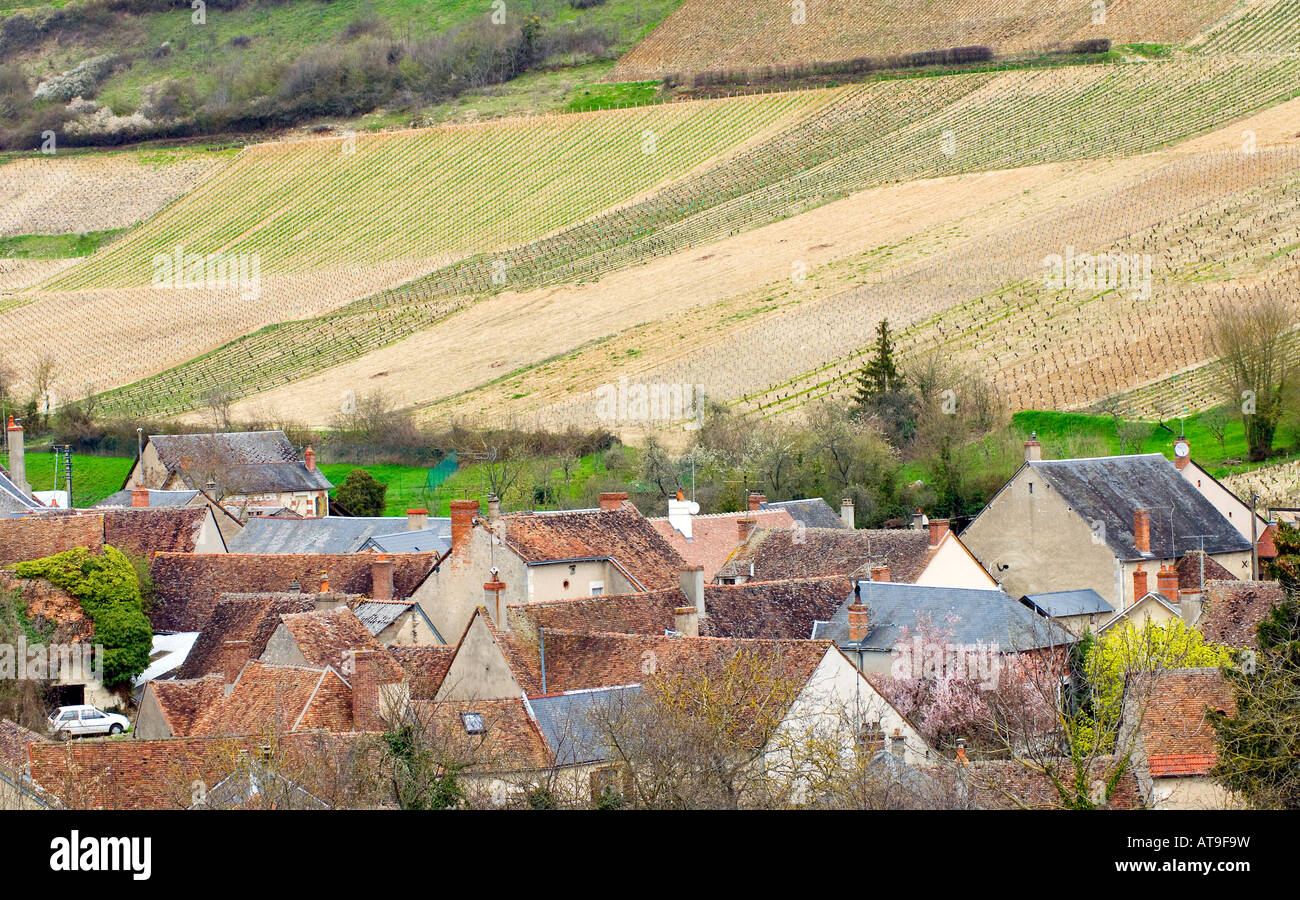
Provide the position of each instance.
(75, 721)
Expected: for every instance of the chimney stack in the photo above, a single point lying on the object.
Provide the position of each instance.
(139, 497)
(381, 577)
(1189, 605)
(462, 523)
(1033, 449)
(918, 520)
(1140, 587)
(18, 458)
(846, 513)
(309, 457)
(1167, 584)
(417, 519)
(494, 507)
(756, 501)
(1142, 531)
(938, 528)
(613, 501)
(880, 573)
(961, 752)
(365, 692)
(324, 582)
(744, 528)
(859, 621)
(492, 595)
(1182, 453)
(686, 621)
(692, 583)
(680, 511)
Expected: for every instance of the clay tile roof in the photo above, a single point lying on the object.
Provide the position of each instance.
(1189, 571)
(779, 554)
(280, 698)
(237, 631)
(1231, 610)
(1175, 736)
(772, 609)
(326, 637)
(426, 667)
(37, 536)
(510, 739)
(151, 530)
(186, 585)
(182, 702)
(623, 535)
(577, 661)
(714, 537)
(1267, 547)
(14, 739)
(646, 612)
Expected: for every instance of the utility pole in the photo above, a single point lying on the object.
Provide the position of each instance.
(1254, 539)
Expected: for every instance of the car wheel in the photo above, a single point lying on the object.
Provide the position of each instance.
(115, 728)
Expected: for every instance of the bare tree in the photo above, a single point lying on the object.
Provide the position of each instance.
(1255, 368)
(45, 372)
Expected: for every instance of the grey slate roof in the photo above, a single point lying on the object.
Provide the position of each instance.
(377, 615)
(426, 540)
(1108, 489)
(1068, 603)
(245, 462)
(328, 534)
(568, 721)
(157, 499)
(981, 616)
(12, 500)
(813, 512)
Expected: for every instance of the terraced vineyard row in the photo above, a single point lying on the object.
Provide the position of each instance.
(868, 135)
(1268, 26)
(433, 194)
(1043, 348)
(753, 33)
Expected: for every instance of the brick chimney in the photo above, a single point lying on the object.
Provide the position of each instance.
(1142, 530)
(1033, 449)
(1167, 584)
(417, 519)
(846, 513)
(462, 523)
(613, 501)
(756, 501)
(381, 577)
(880, 573)
(17, 457)
(859, 621)
(938, 528)
(692, 583)
(366, 715)
(139, 497)
(744, 528)
(1182, 453)
(686, 621)
(1140, 587)
(309, 457)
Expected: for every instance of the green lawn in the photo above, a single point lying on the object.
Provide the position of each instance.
(93, 477)
(55, 246)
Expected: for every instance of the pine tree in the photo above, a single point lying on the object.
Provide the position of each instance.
(880, 375)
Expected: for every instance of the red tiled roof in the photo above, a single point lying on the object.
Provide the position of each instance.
(14, 739)
(154, 530)
(1266, 548)
(645, 612)
(1189, 571)
(781, 554)
(1175, 736)
(327, 637)
(426, 667)
(183, 702)
(510, 742)
(37, 536)
(622, 535)
(238, 630)
(1232, 609)
(578, 661)
(186, 585)
(279, 699)
(715, 537)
